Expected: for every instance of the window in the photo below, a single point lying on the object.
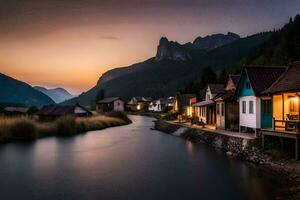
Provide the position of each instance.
(222, 109)
(244, 107)
(251, 107)
(218, 109)
(267, 106)
(293, 101)
(248, 85)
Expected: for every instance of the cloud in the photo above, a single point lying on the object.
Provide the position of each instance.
(109, 38)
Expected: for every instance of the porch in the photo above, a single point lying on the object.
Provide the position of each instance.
(286, 121)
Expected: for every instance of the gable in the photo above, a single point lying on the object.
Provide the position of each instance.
(79, 110)
(208, 94)
(229, 85)
(244, 87)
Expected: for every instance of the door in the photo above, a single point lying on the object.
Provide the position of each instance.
(266, 113)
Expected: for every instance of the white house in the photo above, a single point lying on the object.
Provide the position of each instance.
(161, 104)
(205, 110)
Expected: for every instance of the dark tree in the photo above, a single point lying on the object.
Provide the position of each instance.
(208, 76)
(32, 110)
(100, 95)
(222, 76)
(191, 87)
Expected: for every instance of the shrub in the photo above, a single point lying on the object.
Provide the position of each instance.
(81, 127)
(119, 115)
(171, 115)
(5, 135)
(23, 129)
(66, 126)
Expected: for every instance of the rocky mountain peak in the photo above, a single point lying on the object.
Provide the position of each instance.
(214, 41)
(171, 50)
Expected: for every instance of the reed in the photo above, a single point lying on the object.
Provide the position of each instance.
(28, 128)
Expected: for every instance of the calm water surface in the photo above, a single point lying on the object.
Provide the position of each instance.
(129, 162)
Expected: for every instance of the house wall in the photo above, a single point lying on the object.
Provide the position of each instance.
(232, 115)
(200, 112)
(103, 107)
(247, 119)
(277, 107)
(156, 107)
(220, 117)
(119, 105)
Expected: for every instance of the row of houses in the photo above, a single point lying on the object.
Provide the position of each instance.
(261, 98)
(135, 104)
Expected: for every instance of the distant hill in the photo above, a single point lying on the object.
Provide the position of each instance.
(173, 66)
(13, 91)
(58, 95)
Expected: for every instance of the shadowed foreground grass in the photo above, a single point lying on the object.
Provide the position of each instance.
(25, 128)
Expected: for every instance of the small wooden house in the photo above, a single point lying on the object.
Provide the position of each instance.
(14, 111)
(285, 104)
(255, 107)
(205, 110)
(138, 104)
(227, 108)
(183, 103)
(51, 112)
(284, 107)
(162, 104)
(110, 104)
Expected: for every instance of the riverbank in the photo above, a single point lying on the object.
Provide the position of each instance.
(26, 128)
(243, 148)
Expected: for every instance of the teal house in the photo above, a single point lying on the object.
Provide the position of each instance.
(255, 109)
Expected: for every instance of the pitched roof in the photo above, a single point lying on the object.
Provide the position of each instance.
(109, 100)
(262, 77)
(59, 110)
(289, 81)
(216, 88)
(203, 103)
(228, 96)
(16, 109)
(235, 78)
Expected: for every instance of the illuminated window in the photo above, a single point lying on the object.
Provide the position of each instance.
(293, 103)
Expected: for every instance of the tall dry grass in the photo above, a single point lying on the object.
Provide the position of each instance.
(18, 128)
(26, 128)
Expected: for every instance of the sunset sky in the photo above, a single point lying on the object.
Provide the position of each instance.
(57, 43)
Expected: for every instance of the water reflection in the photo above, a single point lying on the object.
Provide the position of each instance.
(130, 162)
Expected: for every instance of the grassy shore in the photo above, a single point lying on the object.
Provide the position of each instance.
(27, 128)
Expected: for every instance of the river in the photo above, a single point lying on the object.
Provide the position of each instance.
(129, 162)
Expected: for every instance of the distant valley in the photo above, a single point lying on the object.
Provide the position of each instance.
(15, 92)
(58, 95)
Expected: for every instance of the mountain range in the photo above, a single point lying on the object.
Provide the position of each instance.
(173, 66)
(58, 95)
(16, 92)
